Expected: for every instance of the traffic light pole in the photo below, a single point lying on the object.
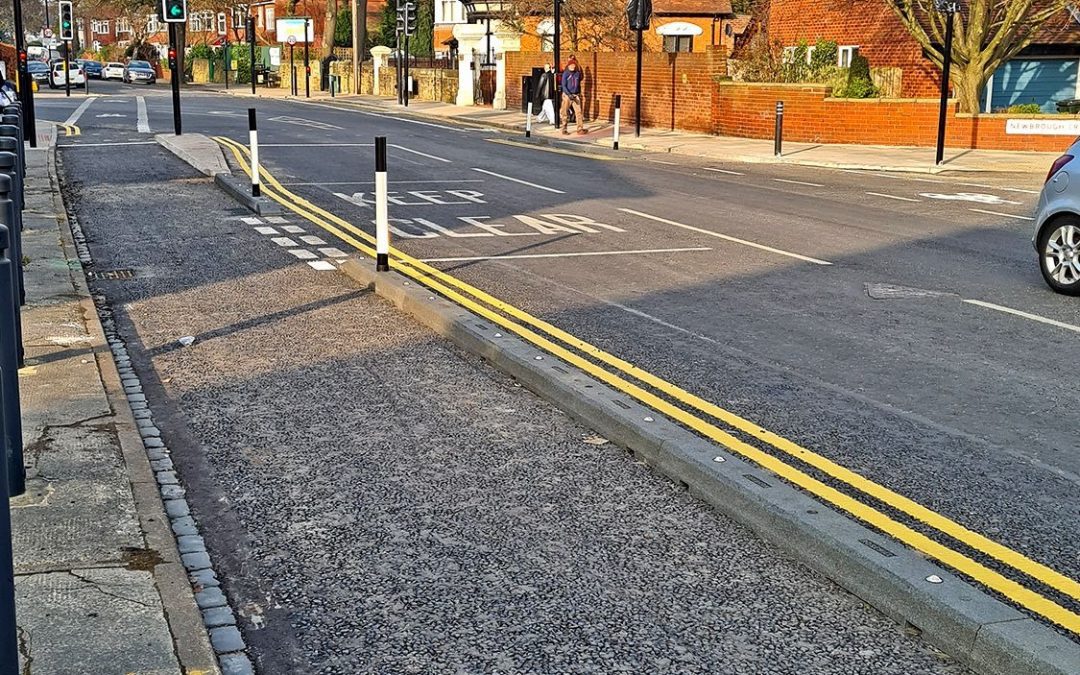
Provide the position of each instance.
(175, 76)
(250, 30)
(26, 85)
(407, 83)
(67, 68)
(225, 49)
(307, 61)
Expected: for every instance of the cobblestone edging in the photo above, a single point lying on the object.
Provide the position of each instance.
(217, 615)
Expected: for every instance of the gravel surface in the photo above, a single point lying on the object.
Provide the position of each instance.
(377, 501)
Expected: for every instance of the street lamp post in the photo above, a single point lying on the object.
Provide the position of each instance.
(556, 48)
(949, 8)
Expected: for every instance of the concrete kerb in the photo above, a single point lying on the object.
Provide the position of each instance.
(973, 627)
(190, 639)
(204, 155)
(241, 191)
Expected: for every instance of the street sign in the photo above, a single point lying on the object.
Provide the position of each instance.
(174, 11)
(291, 40)
(301, 28)
(67, 22)
(47, 33)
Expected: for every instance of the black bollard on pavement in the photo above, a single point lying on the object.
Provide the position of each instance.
(11, 217)
(778, 138)
(9, 344)
(9, 652)
(382, 220)
(12, 130)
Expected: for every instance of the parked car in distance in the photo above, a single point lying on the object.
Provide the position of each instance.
(139, 71)
(92, 68)
(113, 70)
(39, 71)
(1057, 224)
(58, 75)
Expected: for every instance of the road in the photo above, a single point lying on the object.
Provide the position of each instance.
(894, 325)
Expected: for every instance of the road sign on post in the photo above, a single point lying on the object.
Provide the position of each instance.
(174, 11)
(67, 23)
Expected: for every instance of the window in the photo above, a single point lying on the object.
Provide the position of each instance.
(222, 28)
(845, 55)
(123, 26)
(270, 18)
(678, 43)
(195, 23)
(547, 43)
(239, 16)
(99, 27)
(810, 53)
(152, 24)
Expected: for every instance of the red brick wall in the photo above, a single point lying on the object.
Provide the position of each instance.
(749, 110)
(868, 24)
(677, 89)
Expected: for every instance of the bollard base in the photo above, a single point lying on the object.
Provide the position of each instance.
(382, 262)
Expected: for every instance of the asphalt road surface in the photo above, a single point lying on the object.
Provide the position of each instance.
(894, 324)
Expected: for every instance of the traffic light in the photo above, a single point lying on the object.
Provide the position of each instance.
(172, 58)
(174, 11)
(406, 18)
(23, 62)
(67, 23)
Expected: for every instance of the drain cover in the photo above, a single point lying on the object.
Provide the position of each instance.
(113, 274)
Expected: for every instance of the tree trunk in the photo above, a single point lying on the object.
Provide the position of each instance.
(329, 27)
(967, 85)
(360, 27)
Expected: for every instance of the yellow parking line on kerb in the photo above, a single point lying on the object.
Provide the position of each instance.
(440, 282)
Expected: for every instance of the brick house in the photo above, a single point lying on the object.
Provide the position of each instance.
(1045, 72)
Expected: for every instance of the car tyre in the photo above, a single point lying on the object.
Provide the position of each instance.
(1059, 254)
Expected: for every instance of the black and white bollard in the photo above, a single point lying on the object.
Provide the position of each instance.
(253, 141)
(618, 120)
(382, 221)
(778, 143)
(528, 120)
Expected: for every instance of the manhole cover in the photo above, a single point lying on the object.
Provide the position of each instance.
(891, 292)
(113, 274)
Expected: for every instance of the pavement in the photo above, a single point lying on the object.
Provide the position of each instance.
(600, 134)
(892, 323)
(99, 583)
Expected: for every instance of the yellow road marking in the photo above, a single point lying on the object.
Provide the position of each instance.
(558, 151)
(431, 277)
(69, 129)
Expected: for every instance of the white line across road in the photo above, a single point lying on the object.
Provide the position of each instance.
(725, 237)
(1025, 315)
(316, 145)
(518, 180)
(579, 254)
(422, 154)
(730, 173)
(797, 182)
(999, 213)
(903, 199)
(390, 182)
(143, 123)
(74, 117)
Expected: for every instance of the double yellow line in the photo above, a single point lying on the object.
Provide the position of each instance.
(523, 324)
(69, 129)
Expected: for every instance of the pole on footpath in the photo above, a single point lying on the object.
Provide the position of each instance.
(67, 68)
(225, 51)
(637, 94)
(307, 62)
(253, 141)
(9, 646)
(9, 341)
(778, 133)
(292, 69)
(618, 120)
(950, 9)
(174, 76)
(528, 120)
(9, 166)
(408, 81)
(382, 221)
(558, 66)
(250, 30)
(26, 83)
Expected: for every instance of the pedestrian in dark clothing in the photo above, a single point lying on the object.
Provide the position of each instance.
(544, 95)
(571, 86)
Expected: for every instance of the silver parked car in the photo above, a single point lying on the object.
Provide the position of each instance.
(1057, 224)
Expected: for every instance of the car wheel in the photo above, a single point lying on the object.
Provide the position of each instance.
(1059, 254)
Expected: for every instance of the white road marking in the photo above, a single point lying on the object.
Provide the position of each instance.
(797, 182)
(998, 187)
(390, 182)
(567, 255)
(293, 229)
(303, 254)
(266, 230)
(422, 154)
(660, 161)
(977, 197)
(998, 213)
(143, 123)
(313, 240)
(74, 117)
(301, 122)
(903, 199)
(730, 173)
(518, 180)
(725, 237)
(251, 220)
(316, 145)
(332, 252)
(277, 220)
(111, 115)
(321, 265)
(284, 241)
(1025, 315)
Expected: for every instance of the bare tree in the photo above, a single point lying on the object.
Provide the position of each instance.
(329, 27)
(595, 25)
(987, 33)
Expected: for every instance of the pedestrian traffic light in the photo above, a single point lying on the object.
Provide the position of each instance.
(174, 11)
(23, 62)
(172, 58)
(67, 23)
(407, 18)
